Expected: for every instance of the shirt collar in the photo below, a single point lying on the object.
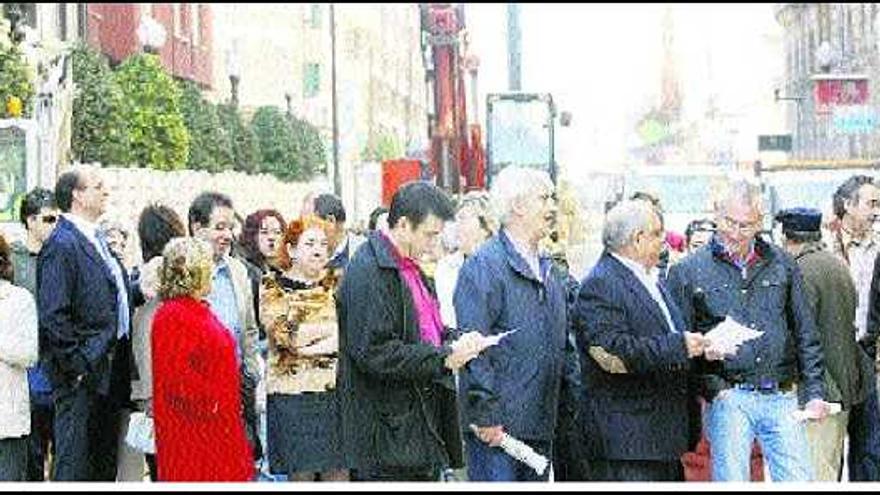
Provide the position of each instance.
(86, 227)
(635, 267)
(221, 266)
(522, 249)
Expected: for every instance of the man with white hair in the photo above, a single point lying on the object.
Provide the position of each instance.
(753, 393)
(635, 352)
(507, 287)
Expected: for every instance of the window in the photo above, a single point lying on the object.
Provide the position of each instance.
(311, 80)
(195, 24)
(82, 20)
(315, 18)
(177, 19)
(62, 21)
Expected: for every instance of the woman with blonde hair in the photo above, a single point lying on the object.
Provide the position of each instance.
(200, 431)
(298, 308)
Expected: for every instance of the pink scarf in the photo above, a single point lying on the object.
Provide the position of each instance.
(427, 307)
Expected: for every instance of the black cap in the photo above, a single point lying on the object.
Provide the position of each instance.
(800, 219)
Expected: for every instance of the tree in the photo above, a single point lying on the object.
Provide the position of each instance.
(15, 80)
(385, 147)
(280, 152)
(311, 146)
(245, 146)
(157, 134)
(100, 131)
(210, 145)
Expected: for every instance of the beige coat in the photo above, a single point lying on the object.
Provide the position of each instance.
(250, 332)
(18, 351)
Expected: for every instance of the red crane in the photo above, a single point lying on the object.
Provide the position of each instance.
(456, 155)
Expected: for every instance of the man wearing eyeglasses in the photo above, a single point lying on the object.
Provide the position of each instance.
(38, 214)
(754, 392)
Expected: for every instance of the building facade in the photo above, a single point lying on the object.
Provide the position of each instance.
(282, 54)
(187, 52)
(830, 41)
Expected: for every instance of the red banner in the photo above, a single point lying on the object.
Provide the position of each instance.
(840, 92)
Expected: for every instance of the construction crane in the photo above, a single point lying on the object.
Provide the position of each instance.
(455, 158)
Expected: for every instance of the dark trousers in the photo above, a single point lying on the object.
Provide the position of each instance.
(487, 463)
(87, 431)
(386, 473)
(863, 458)
(13, 459)
(39, 440)
(153, 466)
(613, 470)
(88, 424)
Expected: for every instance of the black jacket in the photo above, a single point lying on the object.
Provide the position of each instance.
(397, 397)
(770, 298)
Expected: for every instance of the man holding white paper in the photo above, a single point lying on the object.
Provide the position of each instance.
(636, 355)
(753, 394)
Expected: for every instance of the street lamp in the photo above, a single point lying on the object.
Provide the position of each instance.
(151, 34)
(233, 70)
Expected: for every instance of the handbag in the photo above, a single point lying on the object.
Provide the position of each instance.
(141, 433)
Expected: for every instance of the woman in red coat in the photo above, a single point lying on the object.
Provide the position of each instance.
(200, 432)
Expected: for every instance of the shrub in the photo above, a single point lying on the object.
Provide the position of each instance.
(280, 155)
(385, 146)
(245, 146)
(100, 131)
(210, 145)
(311, 146)
(15, 80)
(157, 134)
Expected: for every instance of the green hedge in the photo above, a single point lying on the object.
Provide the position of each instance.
(291, 148)
(210, 146)
(245, 145)
(158, 136)
(279, 153)
(100, 131)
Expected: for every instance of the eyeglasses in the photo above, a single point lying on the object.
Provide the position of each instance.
(732, 224)
(49, 219)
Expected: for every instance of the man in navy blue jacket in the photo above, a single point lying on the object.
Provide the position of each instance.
(85, 320)
(635, 351)
(506, 286)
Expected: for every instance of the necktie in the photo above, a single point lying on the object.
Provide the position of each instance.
(666, 300)
(121, 295)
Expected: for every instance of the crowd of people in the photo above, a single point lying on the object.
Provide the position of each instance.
(290, 349)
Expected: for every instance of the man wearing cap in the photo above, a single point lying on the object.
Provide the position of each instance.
(831, 294)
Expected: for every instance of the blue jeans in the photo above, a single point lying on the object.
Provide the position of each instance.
(736, 417)
(486, 463)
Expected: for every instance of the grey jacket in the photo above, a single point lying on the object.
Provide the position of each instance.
(832, 296)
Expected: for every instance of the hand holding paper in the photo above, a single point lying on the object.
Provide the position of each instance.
(726, 338)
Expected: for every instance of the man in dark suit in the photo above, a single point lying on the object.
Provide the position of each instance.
(635, 352)
(84, 332)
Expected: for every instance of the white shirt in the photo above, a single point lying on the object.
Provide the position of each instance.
(87, 228)
(861, 267)
(649, 281)
(530, 257)
(445, 280)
